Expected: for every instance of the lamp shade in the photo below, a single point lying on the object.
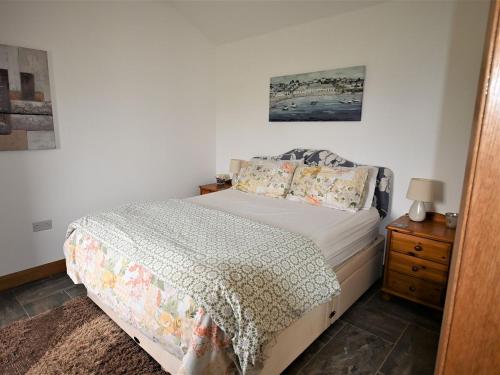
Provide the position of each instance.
(421, 189)
(234, 166)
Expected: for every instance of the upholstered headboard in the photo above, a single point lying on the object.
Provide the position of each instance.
(381, 199)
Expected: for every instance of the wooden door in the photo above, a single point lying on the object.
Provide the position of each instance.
(470, 335)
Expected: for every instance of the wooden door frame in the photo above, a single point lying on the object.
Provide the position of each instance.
(489, 70)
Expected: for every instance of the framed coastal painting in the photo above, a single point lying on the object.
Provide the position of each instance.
(329, 95)
(26, 121)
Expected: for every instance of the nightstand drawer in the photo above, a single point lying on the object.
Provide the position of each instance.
(415, 288)
(419, 247)
(424, 269)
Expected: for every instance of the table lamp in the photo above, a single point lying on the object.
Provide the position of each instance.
(421, 190)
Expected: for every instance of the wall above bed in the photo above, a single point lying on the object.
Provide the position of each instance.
(422, 65)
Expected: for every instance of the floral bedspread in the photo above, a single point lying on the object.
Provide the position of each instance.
(162, 313)
(253, 280)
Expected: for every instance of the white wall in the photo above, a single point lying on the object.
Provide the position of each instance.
(422, 60)
(132, 85)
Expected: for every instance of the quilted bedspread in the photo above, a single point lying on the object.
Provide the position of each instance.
(251, 279)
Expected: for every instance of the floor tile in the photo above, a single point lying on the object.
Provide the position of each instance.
(306, 356)
(46, 303)
(408, 311)
(352, 351)
(334, 328)
(39, 289)
(76, 291)
(375, 321)
(10, 309)
(414, 354)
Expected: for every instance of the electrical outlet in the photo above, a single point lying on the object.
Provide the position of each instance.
(42, 225)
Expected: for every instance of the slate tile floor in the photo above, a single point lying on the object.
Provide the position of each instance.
(34, 298)
(373, 337)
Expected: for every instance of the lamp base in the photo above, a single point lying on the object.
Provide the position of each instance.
(417, 211)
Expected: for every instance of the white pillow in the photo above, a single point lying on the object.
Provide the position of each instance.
(370, 183)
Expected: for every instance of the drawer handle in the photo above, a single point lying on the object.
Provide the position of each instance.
(418, 248)
(415, 268)
(137, 340)
(412, 288)
(332, 314)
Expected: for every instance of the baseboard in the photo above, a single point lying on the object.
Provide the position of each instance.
(32, 274)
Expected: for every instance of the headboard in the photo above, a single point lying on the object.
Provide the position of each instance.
(381, 199)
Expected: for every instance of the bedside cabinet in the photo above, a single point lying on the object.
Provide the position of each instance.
(417, 259)
(212, 188)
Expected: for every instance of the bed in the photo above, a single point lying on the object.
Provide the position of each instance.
(171, 326)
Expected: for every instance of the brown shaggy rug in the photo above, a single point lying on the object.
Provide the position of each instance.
(76, 338)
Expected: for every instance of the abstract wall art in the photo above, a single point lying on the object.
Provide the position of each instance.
(330, 95)
(26, 121)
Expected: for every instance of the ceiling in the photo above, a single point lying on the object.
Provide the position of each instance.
(226, 21)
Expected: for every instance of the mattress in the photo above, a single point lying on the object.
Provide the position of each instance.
(339, 234)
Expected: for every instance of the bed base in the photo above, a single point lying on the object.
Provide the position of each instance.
(356, 275)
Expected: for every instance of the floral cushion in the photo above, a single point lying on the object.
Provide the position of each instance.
(269, 178)
(383, 187)
(340, 188)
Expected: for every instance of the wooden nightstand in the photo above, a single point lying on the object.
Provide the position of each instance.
(417, 259)
(212, 188)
